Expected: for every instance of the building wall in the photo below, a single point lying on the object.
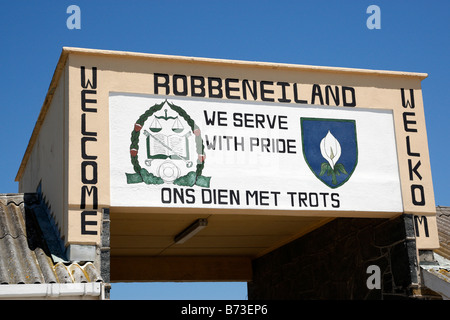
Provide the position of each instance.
(46, 171)
(331, 262)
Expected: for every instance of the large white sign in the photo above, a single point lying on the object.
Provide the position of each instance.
(208, 153)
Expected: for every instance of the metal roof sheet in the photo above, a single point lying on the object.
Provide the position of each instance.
(443, 225)
(30, 251)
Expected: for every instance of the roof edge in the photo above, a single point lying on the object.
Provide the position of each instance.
(269, 65)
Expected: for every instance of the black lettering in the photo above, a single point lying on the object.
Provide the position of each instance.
(84, 101)
(265, 91)
(418, 220)
(282, 120)
(83, 127)
(88, 176)
(183, 79)
(264, 198)
(407, 103)
(253, 195)
(90, 191)
(291, 146)
(222, 196)
(352, 102)
(178, 194)
(335, 95)
(265, 143)
(84, 166)
(212, 144)
(166, 195)
(221, 118)
(190, 198)
(335, 199)
(283, 91)
(85, 223)
(164, 84)
(324, 194)
(206, 196)
(407, 122)
(229, 89)
(275, 196)
(246, 85)
(83, 148)
(296, 100)
(408, 148)
(291, 194)
(279, 146)
(200, 86)
(313, 199)
(271, 123)
(235, 197)
(92, 84)
(316, 92)
(217, 87)
(238, 144)
(259, 120)
(415, 201)
(412, 170)
(302, 197)
(248, 120)
(209, 121)
(237, 119)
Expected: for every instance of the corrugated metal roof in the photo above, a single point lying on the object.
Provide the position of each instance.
(436, 275)
(443, 225)
(30, 250)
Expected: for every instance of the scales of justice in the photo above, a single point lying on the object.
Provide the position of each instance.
(168, 147)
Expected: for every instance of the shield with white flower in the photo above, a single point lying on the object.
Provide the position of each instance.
(330, 149)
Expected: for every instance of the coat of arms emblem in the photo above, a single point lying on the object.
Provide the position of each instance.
(174, 149)
(330, 149)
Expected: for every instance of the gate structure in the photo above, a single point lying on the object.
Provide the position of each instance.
(196, 169)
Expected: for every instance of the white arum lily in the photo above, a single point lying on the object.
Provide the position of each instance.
(330, 149)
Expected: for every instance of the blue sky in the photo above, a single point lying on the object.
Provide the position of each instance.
(414, 37)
